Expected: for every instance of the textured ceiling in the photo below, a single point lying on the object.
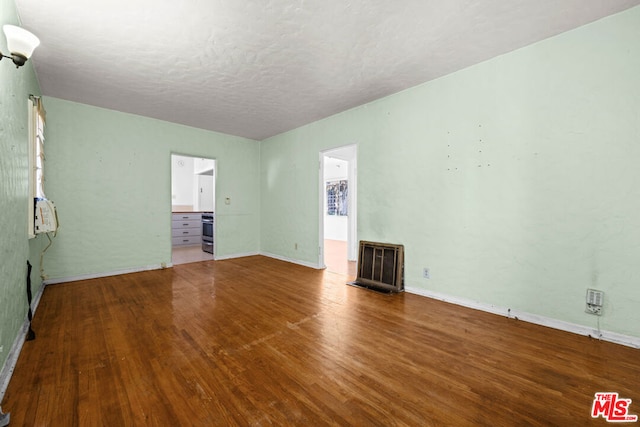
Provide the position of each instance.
(256, 68)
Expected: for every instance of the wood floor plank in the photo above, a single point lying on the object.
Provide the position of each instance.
(256, 341)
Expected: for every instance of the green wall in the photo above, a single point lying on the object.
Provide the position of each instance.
(514, 181)
(15, 87)
(109, 174)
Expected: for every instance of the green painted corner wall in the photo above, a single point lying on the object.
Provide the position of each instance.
(514, 181)
(109, 174)
(15, 248)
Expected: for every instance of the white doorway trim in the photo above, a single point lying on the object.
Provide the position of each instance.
(191, 176)
(348, 153)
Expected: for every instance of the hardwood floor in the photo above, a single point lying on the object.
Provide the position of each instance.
(256, 341)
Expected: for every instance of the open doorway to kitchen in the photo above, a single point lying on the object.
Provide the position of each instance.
(338, 193)
(192, 208)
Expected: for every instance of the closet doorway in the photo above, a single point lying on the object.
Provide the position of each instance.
(338, 218)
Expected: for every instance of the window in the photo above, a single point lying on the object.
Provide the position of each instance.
(36, 157)
(337, 192)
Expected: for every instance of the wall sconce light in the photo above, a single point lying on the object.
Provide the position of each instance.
(20, 43)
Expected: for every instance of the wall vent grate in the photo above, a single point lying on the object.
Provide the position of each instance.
(380, 266)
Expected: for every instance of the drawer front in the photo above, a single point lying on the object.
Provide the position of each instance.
(186, 223)
(180, 232)
(187, 216)
(186, 240)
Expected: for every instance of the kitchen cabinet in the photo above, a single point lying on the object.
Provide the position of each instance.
(186, 229)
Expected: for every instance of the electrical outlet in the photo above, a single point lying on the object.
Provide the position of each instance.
(425, 273)
(295, 246)
(593, 309)
(1, 348)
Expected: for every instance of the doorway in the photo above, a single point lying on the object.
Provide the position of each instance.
(192, 195)
(338, 219)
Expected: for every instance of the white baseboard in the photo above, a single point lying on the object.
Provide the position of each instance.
(107, 274)
(232, 256)
(294, 261)
(613, 337)
(16, 348)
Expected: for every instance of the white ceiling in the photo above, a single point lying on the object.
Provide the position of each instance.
(256, 68)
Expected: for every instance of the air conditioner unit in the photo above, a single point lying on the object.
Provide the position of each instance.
(380, 267)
